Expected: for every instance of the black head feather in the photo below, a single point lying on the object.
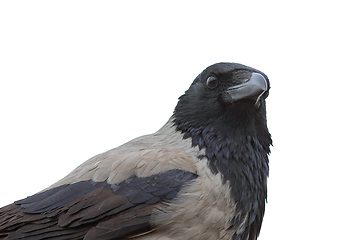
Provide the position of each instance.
(234, 134)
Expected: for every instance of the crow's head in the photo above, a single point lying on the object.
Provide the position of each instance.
(228, 94)
(231, 83)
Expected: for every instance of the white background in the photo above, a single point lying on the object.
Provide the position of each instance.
(81, 77)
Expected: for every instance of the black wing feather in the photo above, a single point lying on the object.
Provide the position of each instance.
(94, 210)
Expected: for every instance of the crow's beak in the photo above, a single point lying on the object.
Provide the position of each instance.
(254, 88)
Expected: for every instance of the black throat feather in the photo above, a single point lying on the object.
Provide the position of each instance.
(237, 143)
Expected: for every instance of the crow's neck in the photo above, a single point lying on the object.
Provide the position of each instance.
(239, 151)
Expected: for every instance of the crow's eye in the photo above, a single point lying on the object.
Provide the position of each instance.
(212, 82)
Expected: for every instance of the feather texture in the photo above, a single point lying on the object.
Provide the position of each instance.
(80, 206)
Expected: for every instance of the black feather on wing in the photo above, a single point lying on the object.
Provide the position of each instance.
(91, 210)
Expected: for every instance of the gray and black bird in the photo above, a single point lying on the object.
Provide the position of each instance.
(203, 175)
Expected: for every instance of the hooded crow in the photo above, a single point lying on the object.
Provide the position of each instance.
(203, 175)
